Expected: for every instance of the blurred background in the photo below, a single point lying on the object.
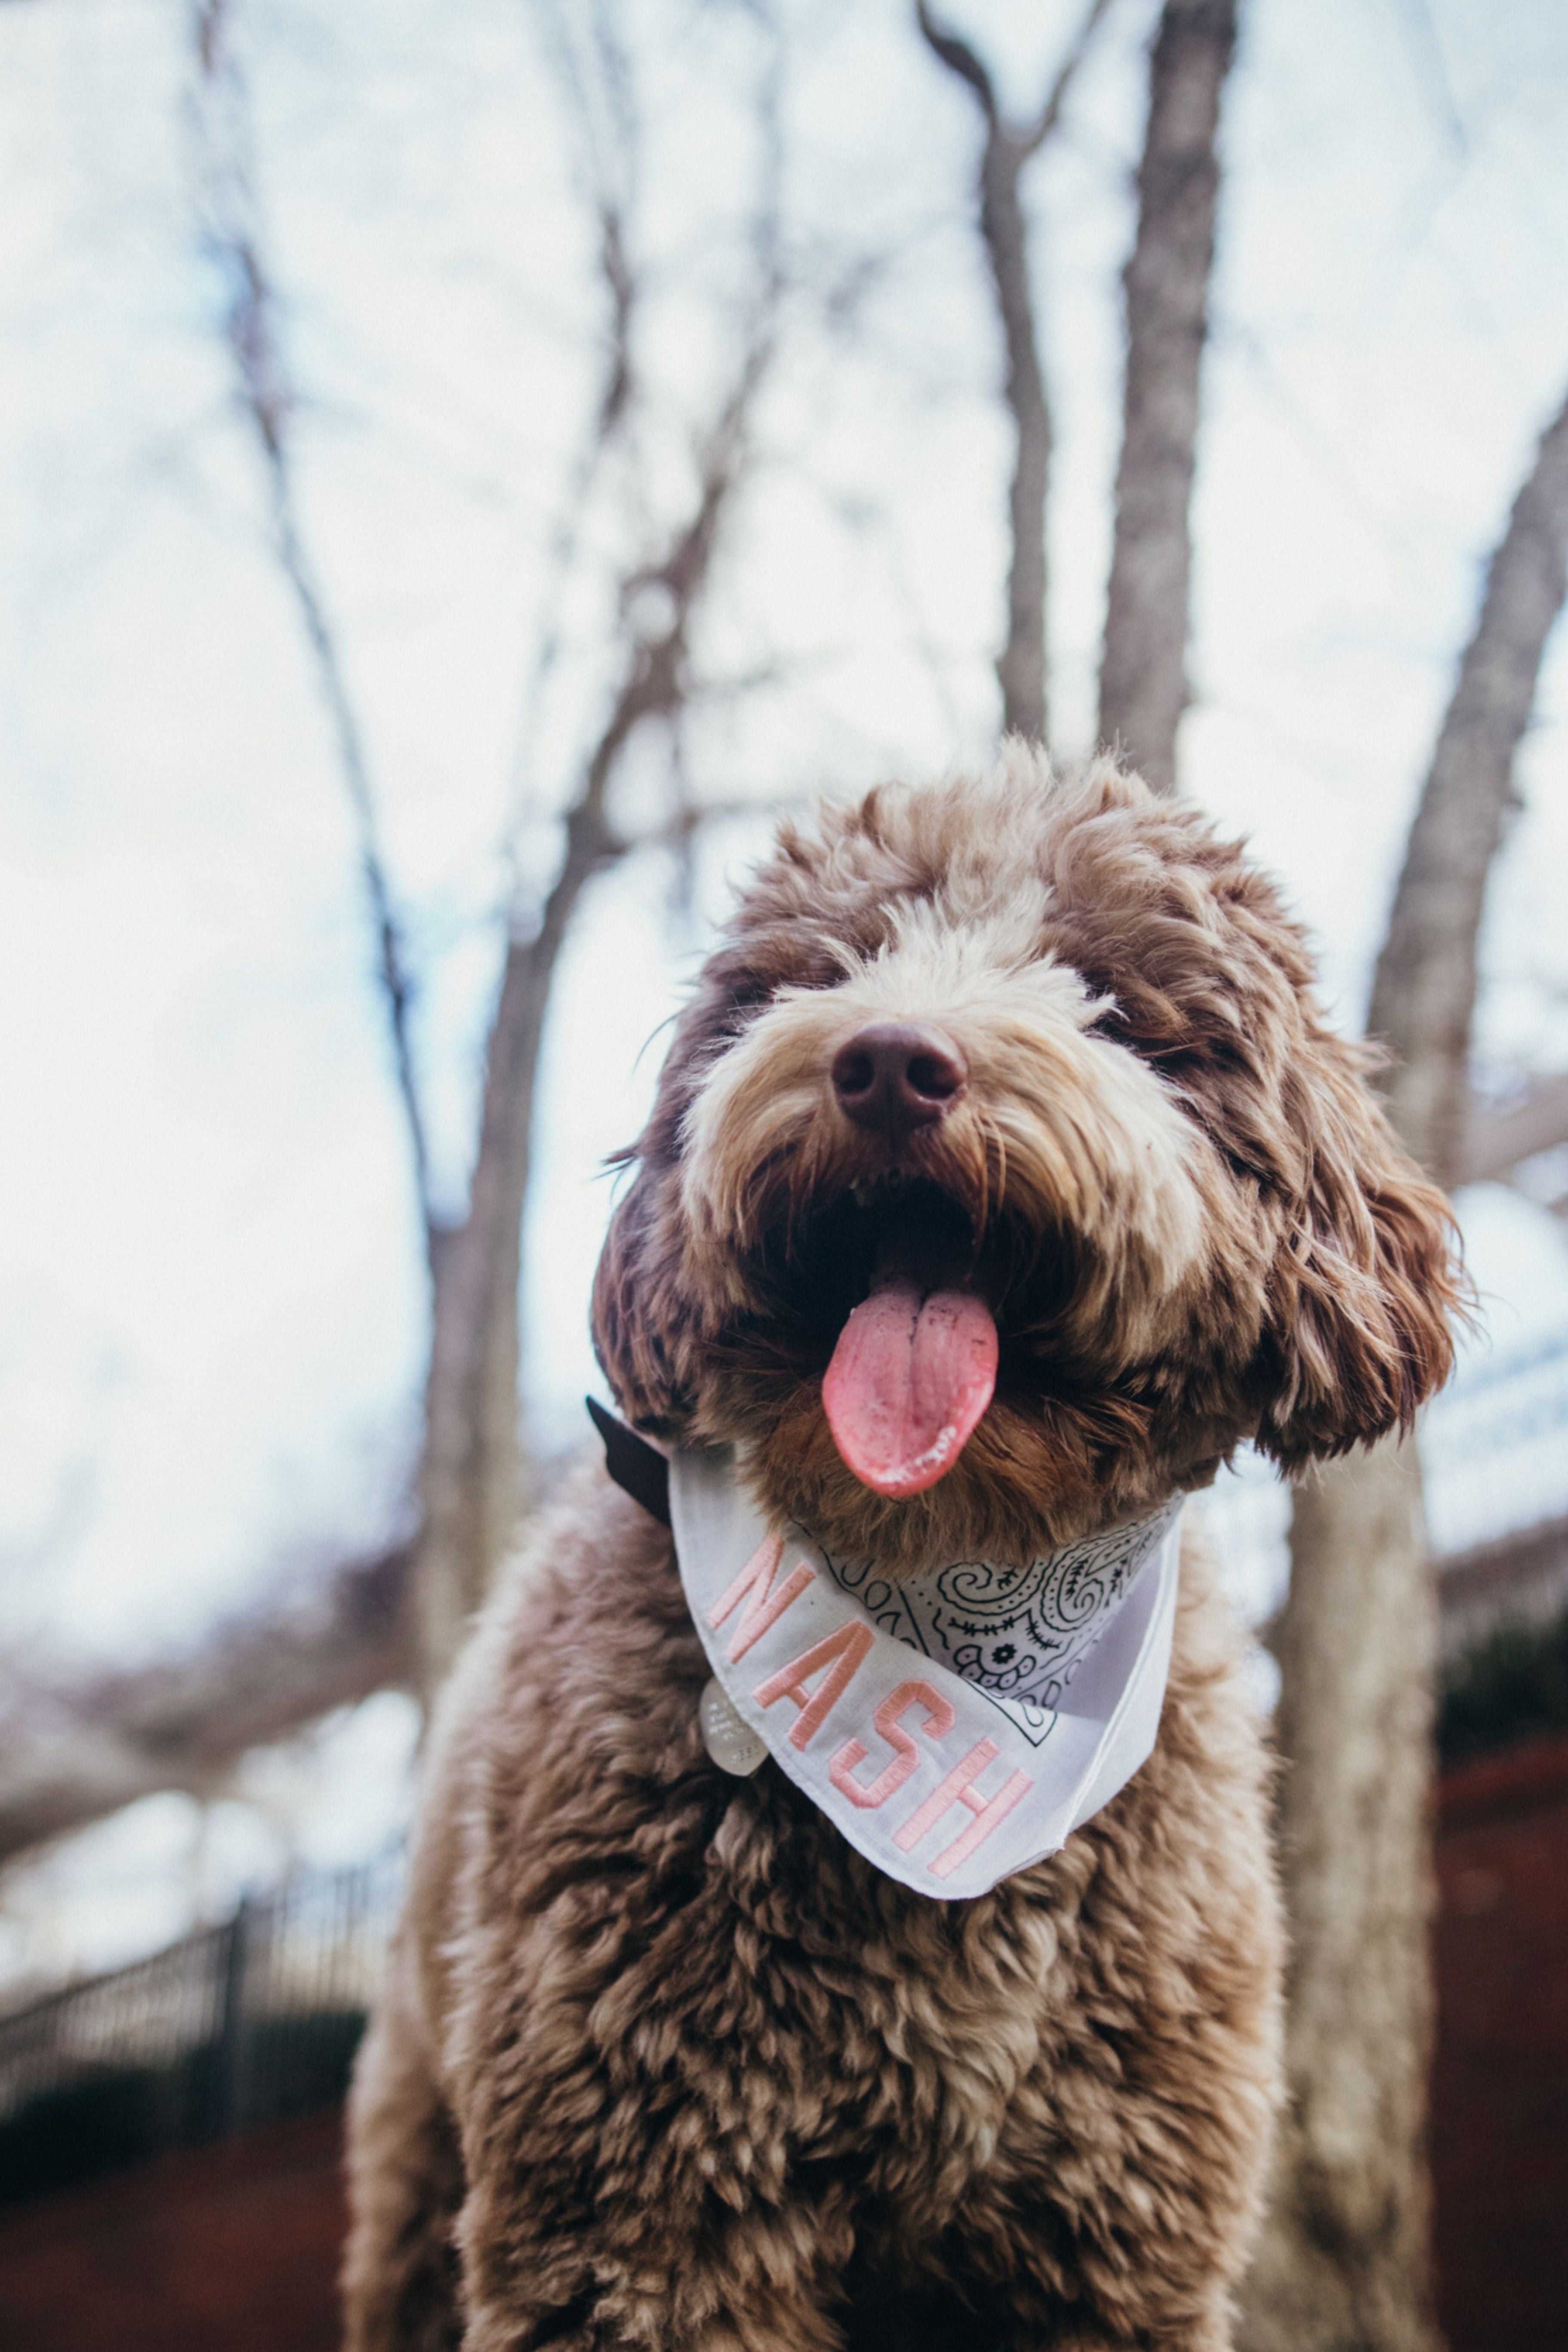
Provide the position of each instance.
(465, 467)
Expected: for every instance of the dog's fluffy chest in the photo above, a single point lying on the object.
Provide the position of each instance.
(698, 1910)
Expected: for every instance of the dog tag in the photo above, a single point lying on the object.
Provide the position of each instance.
(729, 1739)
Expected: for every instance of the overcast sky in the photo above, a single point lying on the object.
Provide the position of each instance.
(211, 1302)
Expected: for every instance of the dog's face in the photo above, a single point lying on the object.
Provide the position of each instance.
(1004, 1176)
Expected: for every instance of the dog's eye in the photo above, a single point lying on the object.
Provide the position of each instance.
(745, 1003)
(821, 974)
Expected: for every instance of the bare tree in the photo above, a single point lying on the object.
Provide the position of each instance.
(1022, 663)
(78, 1746)
(469, 1479)
(1345, 2259)
(1142, 673)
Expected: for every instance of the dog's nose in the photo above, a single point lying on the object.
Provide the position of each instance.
(894, 1076)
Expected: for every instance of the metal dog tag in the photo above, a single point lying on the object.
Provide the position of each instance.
(729, 1739)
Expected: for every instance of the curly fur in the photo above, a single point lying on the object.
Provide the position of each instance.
(663, 2063)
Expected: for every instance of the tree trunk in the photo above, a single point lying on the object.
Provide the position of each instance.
(1424, 991)
(1143, 676)
(470, 1470)
(470, 1466)
(1022, 665)
(1345, 2260)
(469, 1485)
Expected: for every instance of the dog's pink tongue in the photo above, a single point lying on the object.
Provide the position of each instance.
(910, 1377)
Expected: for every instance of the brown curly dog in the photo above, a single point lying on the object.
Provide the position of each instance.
(1005, 1105)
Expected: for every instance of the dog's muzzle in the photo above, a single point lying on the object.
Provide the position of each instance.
(915, 1364)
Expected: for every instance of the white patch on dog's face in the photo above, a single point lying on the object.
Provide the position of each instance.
(1075, 1132)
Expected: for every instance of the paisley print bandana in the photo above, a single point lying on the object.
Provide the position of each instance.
(954, 1729)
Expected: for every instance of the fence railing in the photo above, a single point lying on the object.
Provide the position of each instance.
(1494, 1461)
(234, 2026)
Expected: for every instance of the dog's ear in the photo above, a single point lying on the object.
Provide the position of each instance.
(643, 1324)
(645, 1320)
(1365, 1278)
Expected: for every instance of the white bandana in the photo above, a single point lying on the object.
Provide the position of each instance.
(955, 1729)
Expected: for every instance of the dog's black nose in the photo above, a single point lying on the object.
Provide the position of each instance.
(894, 1076)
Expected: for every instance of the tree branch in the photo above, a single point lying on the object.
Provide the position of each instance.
(226, 181)
(612, 181)
(72, 1752)
(1021, 666)
(1497, 1138)
(1050, 113)
(1424, 995)
(959, 58)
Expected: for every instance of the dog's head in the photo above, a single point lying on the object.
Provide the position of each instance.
(1004, 1176)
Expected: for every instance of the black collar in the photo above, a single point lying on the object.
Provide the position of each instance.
(638, 1468)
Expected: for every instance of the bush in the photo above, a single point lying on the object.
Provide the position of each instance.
(1512, 1686)
(115, 2116)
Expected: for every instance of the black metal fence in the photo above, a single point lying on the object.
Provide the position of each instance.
(235, 2026)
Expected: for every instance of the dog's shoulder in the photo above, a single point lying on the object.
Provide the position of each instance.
(588, 1626)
